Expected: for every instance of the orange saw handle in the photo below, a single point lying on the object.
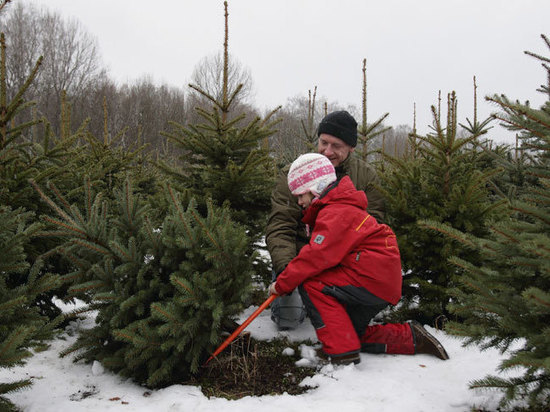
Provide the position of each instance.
(242, 327)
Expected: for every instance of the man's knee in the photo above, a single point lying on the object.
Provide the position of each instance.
(288, 311)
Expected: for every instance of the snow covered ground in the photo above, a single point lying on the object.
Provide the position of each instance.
(379, 383)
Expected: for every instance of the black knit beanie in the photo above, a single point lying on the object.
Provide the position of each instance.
(340, 124)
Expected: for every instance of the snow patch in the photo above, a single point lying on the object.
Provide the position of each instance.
(424, 383)
(288, 352)
(97, 368)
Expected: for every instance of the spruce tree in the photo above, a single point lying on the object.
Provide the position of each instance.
(505, 296)
(22, 327)
(226, 158)
(511, 161)
(22, 158)
(438, 182)
(105, 161)
(163, 293)
(65, 160)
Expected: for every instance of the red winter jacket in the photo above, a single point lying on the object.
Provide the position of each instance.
(345, 235)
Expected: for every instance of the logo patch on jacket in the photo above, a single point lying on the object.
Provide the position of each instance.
(319, 239)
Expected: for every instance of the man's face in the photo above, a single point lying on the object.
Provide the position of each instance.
(335, 149)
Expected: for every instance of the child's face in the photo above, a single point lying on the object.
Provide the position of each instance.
(305, 199)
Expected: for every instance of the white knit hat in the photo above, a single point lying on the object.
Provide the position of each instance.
(310, 172)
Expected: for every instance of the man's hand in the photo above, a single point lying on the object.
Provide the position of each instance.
(272, 290)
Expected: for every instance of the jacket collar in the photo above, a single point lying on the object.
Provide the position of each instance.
(343, 191)
(344, 166)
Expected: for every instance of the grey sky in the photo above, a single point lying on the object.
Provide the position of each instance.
(413, 48)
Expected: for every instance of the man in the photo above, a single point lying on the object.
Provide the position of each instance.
(286, 234)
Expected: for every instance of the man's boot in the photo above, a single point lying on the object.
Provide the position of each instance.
(424, 342)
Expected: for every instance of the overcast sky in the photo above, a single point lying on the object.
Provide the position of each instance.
(413, 48)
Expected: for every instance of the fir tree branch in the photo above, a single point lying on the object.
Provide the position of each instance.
(537, 56)
(12, 342)
(94, 247)
(71, 229)
(50, 202)
(538, 296)
(12, 304)
(448, 231)
(180, 213)
(74, 290)
(176, 280)
(520, 111)
(165, 314)
(121, 252)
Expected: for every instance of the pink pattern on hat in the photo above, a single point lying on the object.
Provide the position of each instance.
(310, 172)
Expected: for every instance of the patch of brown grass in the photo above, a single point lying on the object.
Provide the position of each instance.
(253, 368)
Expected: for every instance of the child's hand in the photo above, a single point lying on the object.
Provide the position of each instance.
(272, 290)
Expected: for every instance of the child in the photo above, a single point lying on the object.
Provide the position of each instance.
(349, 271)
